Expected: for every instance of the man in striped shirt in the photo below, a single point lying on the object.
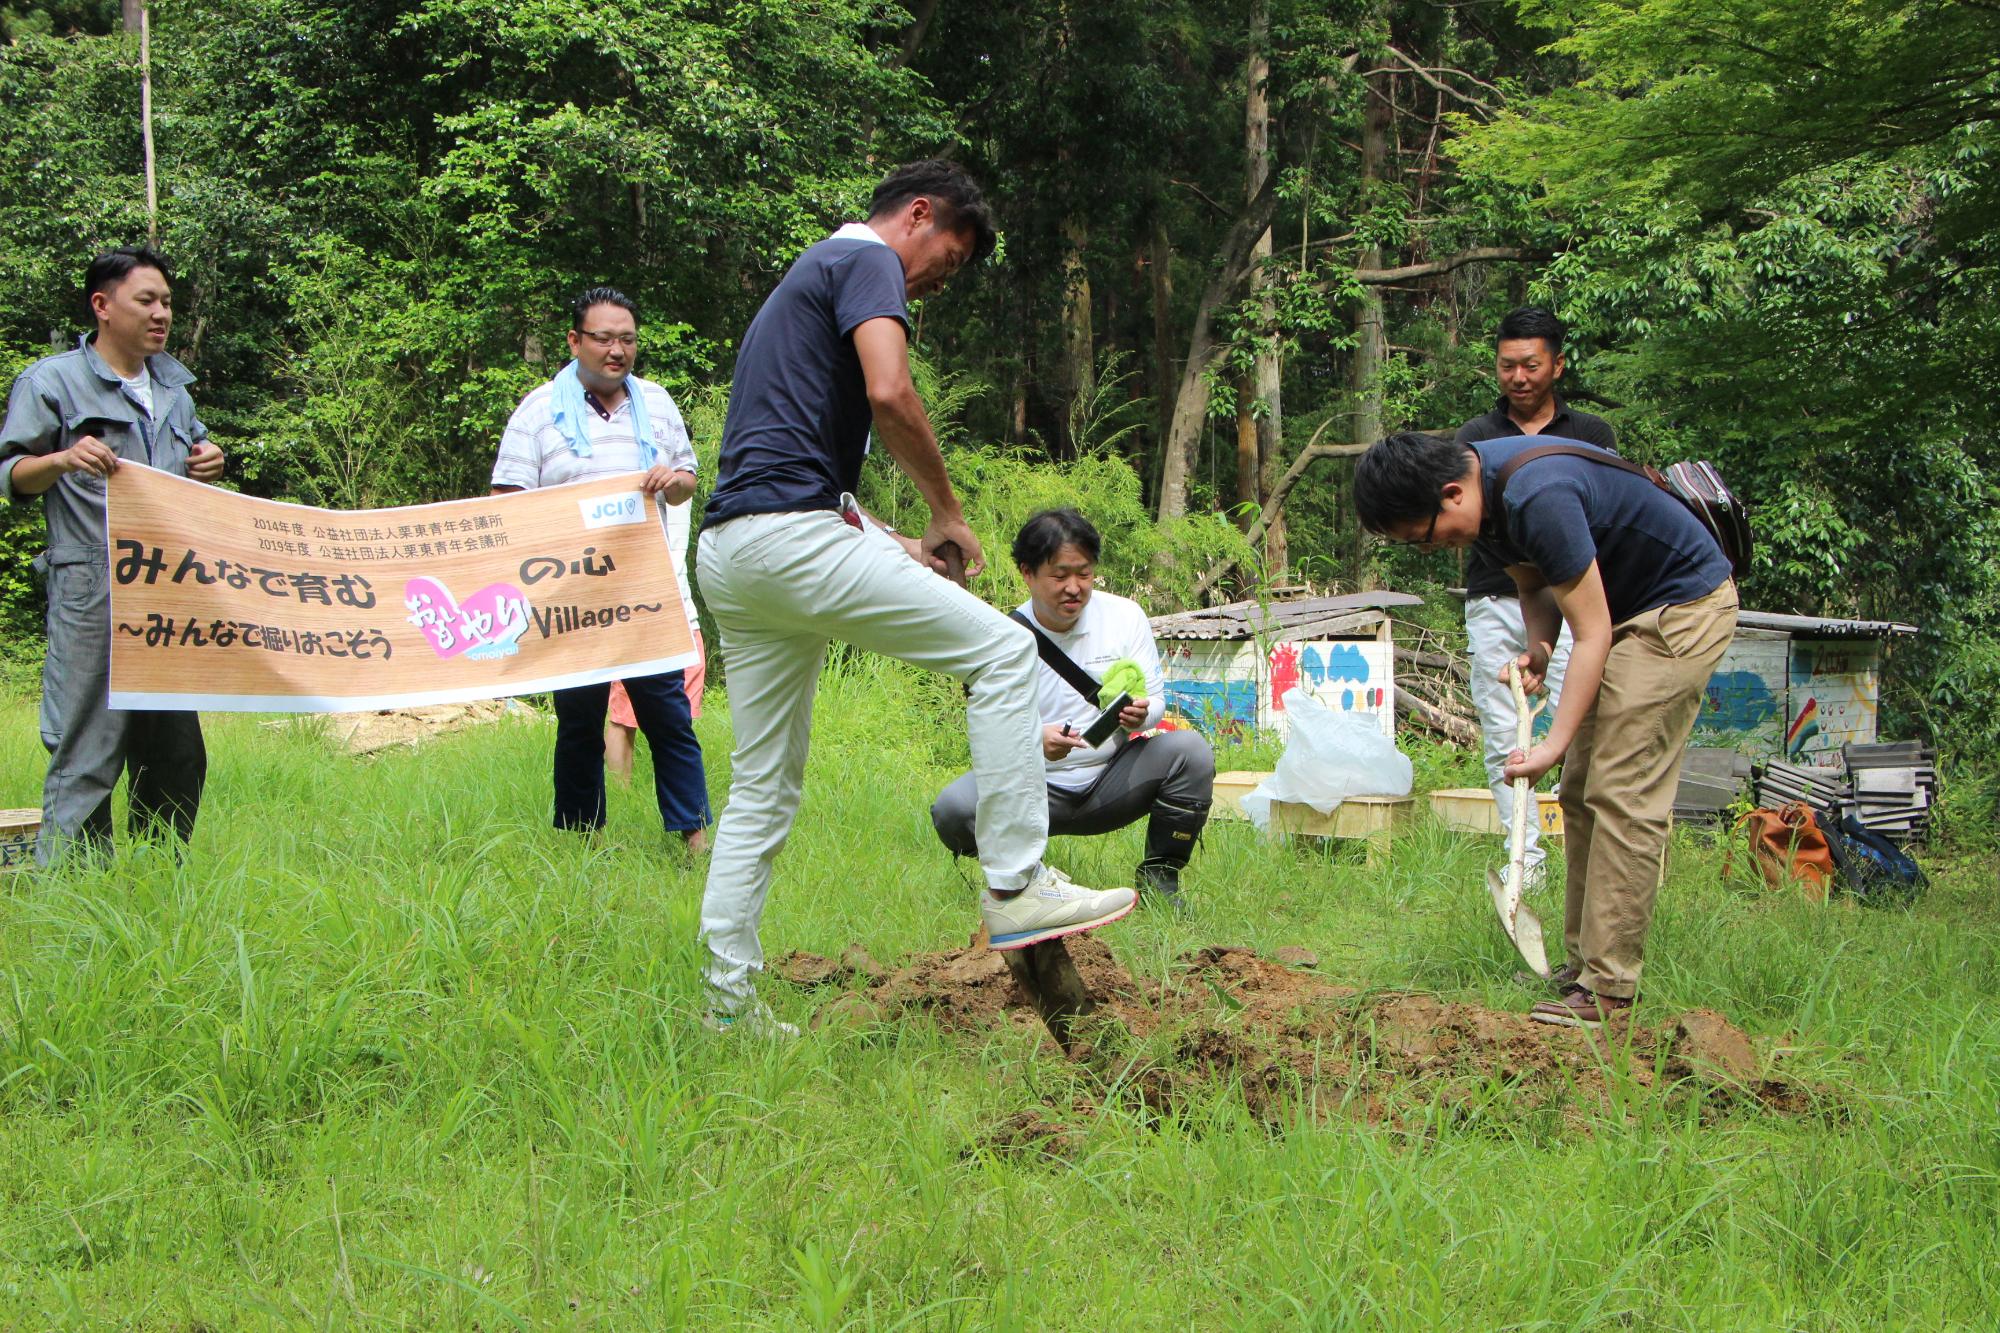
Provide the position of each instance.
(595, 419)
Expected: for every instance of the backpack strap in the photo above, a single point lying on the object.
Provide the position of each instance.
(1583, 451)
(1058, 661)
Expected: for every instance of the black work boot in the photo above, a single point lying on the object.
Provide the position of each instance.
(1170, 838)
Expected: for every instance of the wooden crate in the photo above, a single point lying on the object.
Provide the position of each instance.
(1472, 810)
(1372, 818)
(17, 838)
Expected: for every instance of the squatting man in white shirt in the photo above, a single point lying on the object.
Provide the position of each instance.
(1167, 778)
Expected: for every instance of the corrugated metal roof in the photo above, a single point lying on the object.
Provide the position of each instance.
(1348, 613)
(1824, 627)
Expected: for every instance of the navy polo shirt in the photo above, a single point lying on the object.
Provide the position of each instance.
(798, 419)
(1559, 514)
(1483, 578)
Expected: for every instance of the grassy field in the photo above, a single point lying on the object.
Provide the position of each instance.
(387, 1052)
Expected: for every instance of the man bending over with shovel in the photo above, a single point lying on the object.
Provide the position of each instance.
(1097, 648)
(1648, 597)
(788, 563)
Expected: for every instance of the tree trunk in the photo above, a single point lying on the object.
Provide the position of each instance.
(1252, 388)
(146, 122)
(1230, 266)
(1076, 376)
(1371, 341)
(1268, 366)
(1160, 267)
(1245, 500)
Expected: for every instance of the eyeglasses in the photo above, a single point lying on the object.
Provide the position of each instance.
(1424, 540)
(610, 340)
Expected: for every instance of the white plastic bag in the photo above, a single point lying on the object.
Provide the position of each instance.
(1329, 756)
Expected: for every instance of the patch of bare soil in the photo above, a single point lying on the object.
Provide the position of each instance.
(1293, 1040)
(371, 732)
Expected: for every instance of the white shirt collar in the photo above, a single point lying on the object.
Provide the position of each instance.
(857, 231)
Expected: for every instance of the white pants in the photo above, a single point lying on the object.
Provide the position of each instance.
(1497, 636)
(779, 587)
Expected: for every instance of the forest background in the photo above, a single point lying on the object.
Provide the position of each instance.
(1242, 238)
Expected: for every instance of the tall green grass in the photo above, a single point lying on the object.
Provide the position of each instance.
(388, 1052)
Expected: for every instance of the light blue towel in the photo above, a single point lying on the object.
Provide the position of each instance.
(569, 408)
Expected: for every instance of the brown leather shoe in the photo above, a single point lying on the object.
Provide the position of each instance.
(1579, 1008)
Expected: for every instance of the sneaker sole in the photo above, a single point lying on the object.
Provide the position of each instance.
(1029, 937)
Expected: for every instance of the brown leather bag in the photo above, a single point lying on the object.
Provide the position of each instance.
(1790, 848)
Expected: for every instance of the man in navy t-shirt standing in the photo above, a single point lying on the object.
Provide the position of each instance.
(1527, 361)
(1649, 599)
(788, 563)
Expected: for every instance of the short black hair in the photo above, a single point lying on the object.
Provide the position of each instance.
(1048, 532)
(1399, 478)
(953, 193)
(1532, 321)
(597, 296)
(111, 268)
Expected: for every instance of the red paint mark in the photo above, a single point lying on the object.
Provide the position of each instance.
(1284, 673)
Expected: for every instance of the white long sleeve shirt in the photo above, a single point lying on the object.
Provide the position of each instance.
(1110, 627)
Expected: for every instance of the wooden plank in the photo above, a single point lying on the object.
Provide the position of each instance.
(1472, 810)
(1355, 817)
(17, 838)
(1236, 619)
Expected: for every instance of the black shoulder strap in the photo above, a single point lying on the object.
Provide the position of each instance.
(1584, 451)
(1058, 661)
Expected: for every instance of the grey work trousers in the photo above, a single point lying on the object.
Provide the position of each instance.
(90, 743)
(1172, 768)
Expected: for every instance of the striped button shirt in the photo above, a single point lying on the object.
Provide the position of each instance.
(534, 454)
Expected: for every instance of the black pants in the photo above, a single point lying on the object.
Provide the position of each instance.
(660, 706)
(1175, 769)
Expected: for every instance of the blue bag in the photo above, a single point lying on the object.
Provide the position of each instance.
(1872, 868)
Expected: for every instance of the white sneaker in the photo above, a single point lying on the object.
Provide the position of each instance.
(1050, 908)
(756, 1021)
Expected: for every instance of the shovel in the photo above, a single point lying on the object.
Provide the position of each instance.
(1516, 917)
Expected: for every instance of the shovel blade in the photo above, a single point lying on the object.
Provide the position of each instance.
(1523, 927)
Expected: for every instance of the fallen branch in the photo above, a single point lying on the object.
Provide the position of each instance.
(1436, 661)
(1452, 729)
(1438, 697)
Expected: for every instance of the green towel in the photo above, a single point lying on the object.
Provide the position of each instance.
(1124, 676)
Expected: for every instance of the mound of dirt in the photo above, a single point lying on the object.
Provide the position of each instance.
(1291, 1039)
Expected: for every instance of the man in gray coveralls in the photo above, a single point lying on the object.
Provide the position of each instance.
(70, 420)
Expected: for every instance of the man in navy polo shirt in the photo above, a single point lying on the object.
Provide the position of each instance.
(1647, 593)
(788, 563)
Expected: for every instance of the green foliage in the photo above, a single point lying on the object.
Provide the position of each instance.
(1780, 235)
(1156, 563)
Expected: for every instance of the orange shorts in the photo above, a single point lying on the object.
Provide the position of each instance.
(695, 677)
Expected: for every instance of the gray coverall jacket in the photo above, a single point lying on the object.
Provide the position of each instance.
(56, 402)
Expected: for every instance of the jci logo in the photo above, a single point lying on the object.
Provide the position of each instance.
(610, 511)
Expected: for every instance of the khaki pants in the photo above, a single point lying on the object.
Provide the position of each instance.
(1619, 778)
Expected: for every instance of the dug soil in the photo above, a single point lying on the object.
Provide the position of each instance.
(1297, 1044)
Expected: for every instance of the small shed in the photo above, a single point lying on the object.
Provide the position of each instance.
(1797, 686)
(1228, 667)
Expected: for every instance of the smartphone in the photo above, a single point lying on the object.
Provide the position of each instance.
(1107, 721)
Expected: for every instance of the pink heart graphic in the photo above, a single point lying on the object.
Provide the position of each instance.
(485, 624)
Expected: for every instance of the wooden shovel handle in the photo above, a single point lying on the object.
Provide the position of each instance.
(954, 561)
